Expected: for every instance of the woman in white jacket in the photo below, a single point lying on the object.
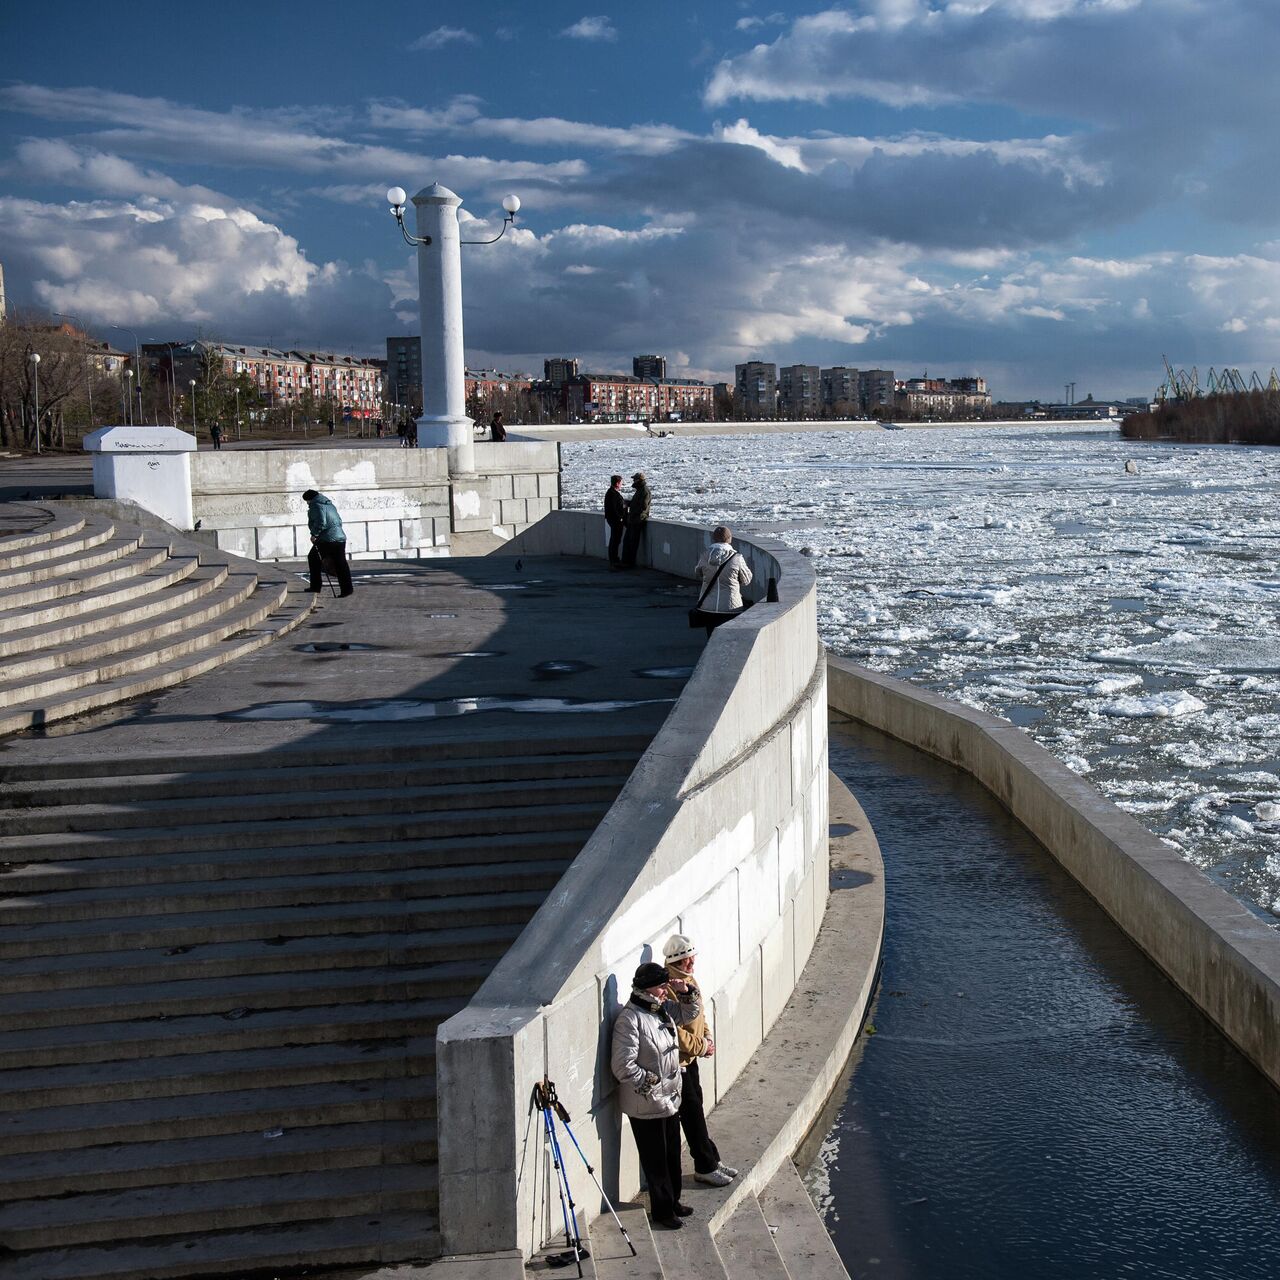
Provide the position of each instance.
(646, 1064)
(723, 572)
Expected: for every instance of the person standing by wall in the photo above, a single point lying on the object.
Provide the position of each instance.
(646, 1063)
(328, 542)
(637, 518)
(723, 573)
(615, 516)
(497, 428)
(695, 1042)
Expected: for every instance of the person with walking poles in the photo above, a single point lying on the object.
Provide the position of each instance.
(723, 572)
(695, 1043)
(637, 517)
(646, 1064)
(328, 542)
(615, 516)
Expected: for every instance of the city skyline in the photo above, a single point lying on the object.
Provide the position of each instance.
(1042, 191)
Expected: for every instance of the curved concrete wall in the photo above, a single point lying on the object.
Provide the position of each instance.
(1220, 955)
(720, 833)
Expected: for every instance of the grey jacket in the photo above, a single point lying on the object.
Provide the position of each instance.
(646, 1056)
(726, 595)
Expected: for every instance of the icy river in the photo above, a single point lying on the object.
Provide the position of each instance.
(1126, 620)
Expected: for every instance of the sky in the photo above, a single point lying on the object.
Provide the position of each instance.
(1036, 191)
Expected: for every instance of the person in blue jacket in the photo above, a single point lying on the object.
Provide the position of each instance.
(328, 542)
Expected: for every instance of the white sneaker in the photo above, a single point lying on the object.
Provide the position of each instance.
(728, 1170)
(716, 1178)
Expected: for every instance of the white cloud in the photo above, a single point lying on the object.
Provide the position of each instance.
(442, 36)
(597, 28)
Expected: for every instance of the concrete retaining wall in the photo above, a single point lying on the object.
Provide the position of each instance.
(720, 833)
(393, 502)
(1220, 955)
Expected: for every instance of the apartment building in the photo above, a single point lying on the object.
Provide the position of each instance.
(649, 367)
(404, 373)
(755, 389)
(614, 397)
(799, 391)
(838, 391)
(876, 389)
(560, 369)
(940, 398)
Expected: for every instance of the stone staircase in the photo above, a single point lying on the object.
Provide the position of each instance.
(94, 611)
(220, 983)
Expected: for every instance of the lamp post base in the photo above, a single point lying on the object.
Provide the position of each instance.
(455, 434)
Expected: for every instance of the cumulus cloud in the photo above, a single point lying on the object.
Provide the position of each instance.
(442, 36)
(597, 28)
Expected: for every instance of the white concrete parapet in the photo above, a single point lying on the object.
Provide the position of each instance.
(150, 466)
(720, 833)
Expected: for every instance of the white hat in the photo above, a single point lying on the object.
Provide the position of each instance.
(678, 947)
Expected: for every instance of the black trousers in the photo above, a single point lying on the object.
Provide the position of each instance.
(658, 1142)
(706, 1158)
(615, 541)
(631, 544)
(331, 556)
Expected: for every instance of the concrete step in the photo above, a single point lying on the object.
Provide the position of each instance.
(138, 1079)
(745, 1244)
(167, 592)
(125, 592)
(295, 892)
(241, 1255)
(80, 1008)
(69, 534)
(113, 634)
(73, 588)
(324, 802)
(257, 1110)
(379, 827)
(271, 926)
(108, 1217)
(613, 1260)
(284, 617)
(196, 1160)
(252, 607)
(36, 527)
(74, 556)
(801, 1237)
(297, 860)
(263, 779)
(282, 955)
(210, 1033)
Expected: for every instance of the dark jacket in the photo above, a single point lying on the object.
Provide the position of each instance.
(323, 520)
(615, 508)
(638, 507)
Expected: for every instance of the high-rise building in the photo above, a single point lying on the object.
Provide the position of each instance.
(560, 369)
(755, 389)
(404, 373)
(876, 388)
(649, 366)
(839, 391)
(798, 390)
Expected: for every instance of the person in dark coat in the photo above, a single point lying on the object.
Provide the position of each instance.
(328, 542)
(497, 428)
(637, 518)
(615, 516)
(215, 433)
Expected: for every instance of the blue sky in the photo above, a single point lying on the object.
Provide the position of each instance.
(1036, 190)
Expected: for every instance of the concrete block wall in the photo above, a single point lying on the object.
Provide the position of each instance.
(1224, 958)
(393, 502)
(720, 833)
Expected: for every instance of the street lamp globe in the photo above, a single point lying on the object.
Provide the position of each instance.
(396, 197)
(35, 357)
(511, 204)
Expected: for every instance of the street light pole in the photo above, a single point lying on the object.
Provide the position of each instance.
(193, 407)
(35, 379)
(128, 377)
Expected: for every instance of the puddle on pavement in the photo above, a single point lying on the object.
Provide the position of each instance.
(473, 653)
(419, 709)
(556, 668)
(334, 646)
(442, 615)
(663, 673)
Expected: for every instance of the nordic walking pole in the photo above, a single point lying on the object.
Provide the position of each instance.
(564, 1120)
(562, 1182)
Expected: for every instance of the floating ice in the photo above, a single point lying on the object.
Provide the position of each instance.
(1161, 705)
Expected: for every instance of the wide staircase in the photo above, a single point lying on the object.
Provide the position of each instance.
(220, 983)
(94, 610)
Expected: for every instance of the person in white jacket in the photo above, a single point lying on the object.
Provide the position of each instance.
(722, 572)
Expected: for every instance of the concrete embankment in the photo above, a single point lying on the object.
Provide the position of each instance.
(1221, 956)
(720, 833)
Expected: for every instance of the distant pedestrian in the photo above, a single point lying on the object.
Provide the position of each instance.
(497, 428)
(695, 1042)
(328, 542)
(646, 1063)
(637, 517)
(215, 433)
(723, 573)
(615, 516)
(413, 434)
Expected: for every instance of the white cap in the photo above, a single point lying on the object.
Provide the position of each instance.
(678, 947)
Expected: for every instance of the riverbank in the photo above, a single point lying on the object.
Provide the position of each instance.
(1251, 417)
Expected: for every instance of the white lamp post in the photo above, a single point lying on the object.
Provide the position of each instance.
(444, 422)
(193, 406)
(128, 382)
(35, 379)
